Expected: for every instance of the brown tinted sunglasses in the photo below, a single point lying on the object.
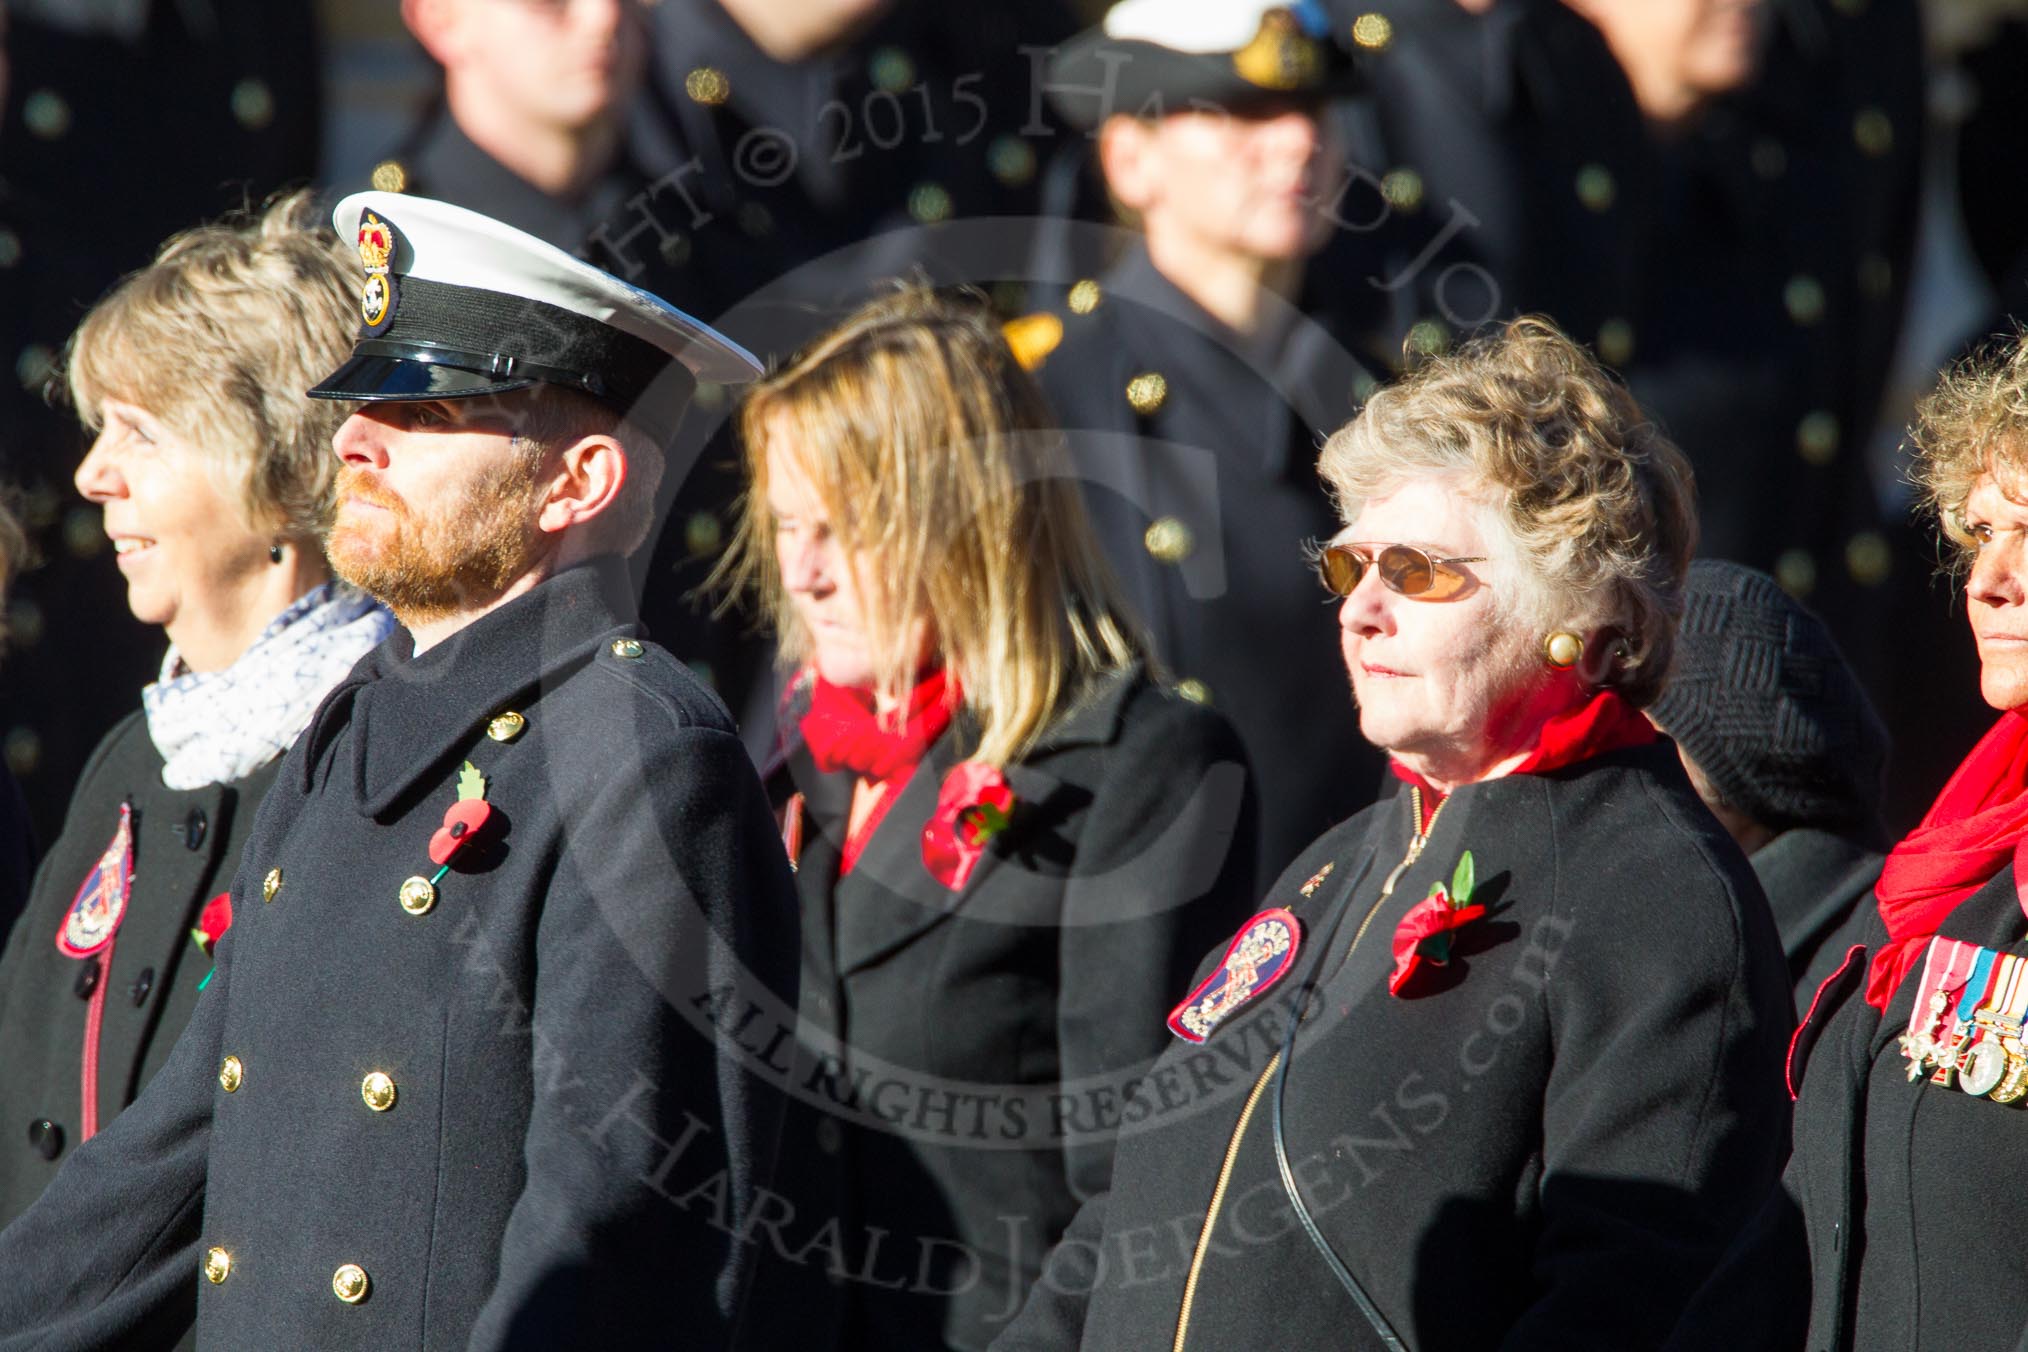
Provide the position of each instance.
(1404, 569)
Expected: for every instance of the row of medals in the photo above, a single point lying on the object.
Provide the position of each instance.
(1982, 1055)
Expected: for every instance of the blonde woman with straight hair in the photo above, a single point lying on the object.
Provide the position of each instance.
(1013, 845)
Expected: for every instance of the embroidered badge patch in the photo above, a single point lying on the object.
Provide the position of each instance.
(376, 252)
(1261, 954)
(101, 900)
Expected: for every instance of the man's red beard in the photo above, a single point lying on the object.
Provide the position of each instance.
(447, 560)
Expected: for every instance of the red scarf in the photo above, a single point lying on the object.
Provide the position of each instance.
(1967, 837)
(1603, 723)
(844, 733)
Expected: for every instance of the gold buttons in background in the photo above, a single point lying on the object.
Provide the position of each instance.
(230, 1074)
(1085, 297)
(629, 648)
(417, 895)
(1373, 32)
(1616, 342)
(1596, 188)
(271, 884)
(1145, 392)
(378, 1091)
(506, 727)
(1817, 437)
(217, 1265)
(1169, 540)
(1194, 690)
(707, 85)
(350, 1284)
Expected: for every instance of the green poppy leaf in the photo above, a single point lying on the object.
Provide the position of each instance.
(1462, 879)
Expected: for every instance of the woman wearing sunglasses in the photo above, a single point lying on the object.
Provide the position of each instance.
(1498, 1062)
(1011, 844)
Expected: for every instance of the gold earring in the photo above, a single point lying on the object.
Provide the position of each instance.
(1563, 649)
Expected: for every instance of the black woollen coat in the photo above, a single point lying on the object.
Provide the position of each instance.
(495, 1121)
(966, 1052)
(186, 844)
(1545, 1144)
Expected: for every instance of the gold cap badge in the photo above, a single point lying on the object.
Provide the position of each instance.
(1281, 55)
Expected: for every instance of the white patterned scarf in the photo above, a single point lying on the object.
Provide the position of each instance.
(213, 727)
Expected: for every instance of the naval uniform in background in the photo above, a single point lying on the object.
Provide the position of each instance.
(1197, 450)
(1500, 169)
(470, 1112)
(439, 160)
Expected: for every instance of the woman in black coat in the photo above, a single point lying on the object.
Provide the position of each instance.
(1497, 1063)
(1896, 1227)
(17, 841)
(215, 477)
(1011, 843)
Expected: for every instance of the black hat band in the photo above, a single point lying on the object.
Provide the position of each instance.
(510, 341)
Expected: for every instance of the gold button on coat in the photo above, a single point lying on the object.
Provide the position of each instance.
(378, 1091)
(350, 1284)
(1169, 540)
(627, 647)
(707, 85)
(230, 1074)
(418, 895)
(217, 1265)
(1145, 392)
(506, 727)
(1085, 297)
(271, 884)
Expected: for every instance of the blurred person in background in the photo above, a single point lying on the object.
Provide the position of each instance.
(17, 839)
(958, 639)
(1499, 170)
(1786, 749)
(1786, 142)
(214, 475)
(1194, 388)
(785, 131)
(531, 128)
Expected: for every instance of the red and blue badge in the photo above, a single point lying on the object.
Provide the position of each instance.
(101, 901)
(1259, 956)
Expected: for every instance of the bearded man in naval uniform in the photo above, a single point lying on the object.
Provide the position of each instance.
(455, 1082)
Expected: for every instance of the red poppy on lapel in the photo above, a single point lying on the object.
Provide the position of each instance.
(973, 805)
(1424, 934)
(213, 921)
(464, 818)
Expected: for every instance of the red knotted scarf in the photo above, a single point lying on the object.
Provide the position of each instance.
(844, 732)
(1967, 837)
(1603, 723)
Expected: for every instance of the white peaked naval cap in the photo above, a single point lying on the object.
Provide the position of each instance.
(453, 304)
